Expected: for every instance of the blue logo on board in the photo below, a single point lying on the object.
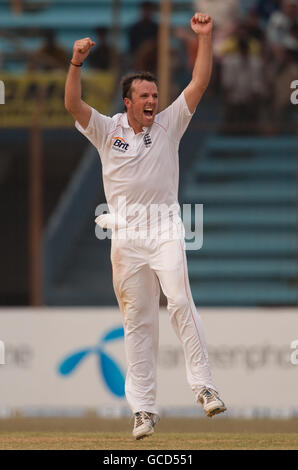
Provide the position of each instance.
(107, 366)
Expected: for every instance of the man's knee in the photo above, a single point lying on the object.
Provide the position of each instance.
(178, 303)
(138, 311)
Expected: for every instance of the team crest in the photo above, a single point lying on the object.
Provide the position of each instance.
(147, 140)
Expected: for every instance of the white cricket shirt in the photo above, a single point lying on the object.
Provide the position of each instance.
(139, 170)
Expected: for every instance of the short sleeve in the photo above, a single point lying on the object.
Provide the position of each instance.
(176, 117)
(97, 129)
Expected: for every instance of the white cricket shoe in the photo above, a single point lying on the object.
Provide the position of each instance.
(144, 424)
(212, 404)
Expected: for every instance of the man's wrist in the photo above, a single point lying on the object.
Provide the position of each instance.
(204, 38)
(76, 63)
(205, 35)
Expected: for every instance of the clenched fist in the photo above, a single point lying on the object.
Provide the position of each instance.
(201, 23)
(81, 49)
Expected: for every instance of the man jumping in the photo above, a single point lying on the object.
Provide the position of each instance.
(139, 156)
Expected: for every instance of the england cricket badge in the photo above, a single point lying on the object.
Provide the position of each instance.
(147, 140)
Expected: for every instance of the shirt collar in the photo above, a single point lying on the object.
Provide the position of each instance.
(125, 124)
(124, 121)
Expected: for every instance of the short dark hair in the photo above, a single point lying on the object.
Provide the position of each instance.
(148, 4)
(127, 80)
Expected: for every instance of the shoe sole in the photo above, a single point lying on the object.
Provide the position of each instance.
(216, 411)
(138, 438)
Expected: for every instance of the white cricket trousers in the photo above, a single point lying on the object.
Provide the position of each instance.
(137, 267)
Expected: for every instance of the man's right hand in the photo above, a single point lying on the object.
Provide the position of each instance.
(74, 104)
(81, 50)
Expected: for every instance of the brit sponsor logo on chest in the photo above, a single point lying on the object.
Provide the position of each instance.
(119, 144)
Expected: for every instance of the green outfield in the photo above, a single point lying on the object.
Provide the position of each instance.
(177, 434)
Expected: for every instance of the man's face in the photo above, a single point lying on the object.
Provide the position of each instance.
(143, 105)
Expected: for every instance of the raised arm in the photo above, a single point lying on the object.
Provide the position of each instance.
(202, 25)
(74, 104)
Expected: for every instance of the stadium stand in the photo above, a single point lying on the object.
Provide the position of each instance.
(248, 186)
(21, 33)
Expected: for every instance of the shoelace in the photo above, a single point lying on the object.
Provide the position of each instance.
(141, 417)
(208, 394)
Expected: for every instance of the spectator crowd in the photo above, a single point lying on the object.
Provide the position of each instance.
(255, 58)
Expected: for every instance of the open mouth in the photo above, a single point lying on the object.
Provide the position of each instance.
(148, 112)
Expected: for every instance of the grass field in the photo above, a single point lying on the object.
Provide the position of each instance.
(166, 441)
(179, 434)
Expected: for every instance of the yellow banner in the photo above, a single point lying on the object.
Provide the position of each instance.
(39, 97)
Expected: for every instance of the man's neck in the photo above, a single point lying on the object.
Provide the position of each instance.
(134, 125)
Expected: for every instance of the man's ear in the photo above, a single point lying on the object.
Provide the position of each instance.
(127, 102)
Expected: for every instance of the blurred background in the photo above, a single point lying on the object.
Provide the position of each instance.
(238, 157)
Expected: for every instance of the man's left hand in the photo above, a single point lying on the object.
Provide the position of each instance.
(201, 23)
